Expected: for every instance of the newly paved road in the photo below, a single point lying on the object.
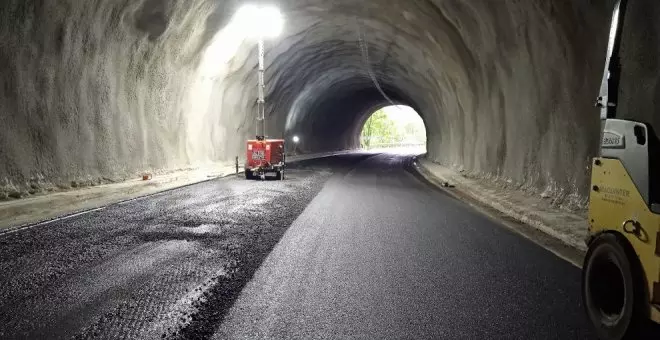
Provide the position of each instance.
(352, 246)
(380, 255)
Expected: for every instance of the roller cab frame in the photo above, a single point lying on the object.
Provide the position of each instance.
(621, 271)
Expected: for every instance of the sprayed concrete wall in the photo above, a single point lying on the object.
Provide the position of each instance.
(105, 88)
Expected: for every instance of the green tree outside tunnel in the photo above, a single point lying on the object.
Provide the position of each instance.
(381, 129)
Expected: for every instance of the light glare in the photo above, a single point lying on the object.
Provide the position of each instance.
(260, 21)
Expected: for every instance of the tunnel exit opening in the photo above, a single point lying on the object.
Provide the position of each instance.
(394, 127)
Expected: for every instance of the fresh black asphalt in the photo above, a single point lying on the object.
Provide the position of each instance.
(346, 247)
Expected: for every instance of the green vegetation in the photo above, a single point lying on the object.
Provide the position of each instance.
(381, 129)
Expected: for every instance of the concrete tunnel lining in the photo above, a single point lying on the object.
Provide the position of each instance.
(105, 89)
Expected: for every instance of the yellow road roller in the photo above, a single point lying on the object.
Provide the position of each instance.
(621, 271)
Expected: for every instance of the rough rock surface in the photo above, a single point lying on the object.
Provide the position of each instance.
(101, 88)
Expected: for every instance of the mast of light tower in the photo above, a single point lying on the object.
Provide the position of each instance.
(261, 22)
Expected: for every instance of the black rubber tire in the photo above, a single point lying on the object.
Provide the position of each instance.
(613, 289)
(248, 175)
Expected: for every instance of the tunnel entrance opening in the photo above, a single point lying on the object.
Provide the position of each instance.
(394, 127)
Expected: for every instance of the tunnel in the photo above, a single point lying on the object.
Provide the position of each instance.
(101, 89)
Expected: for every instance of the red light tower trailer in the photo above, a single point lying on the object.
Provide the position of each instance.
(265, 157)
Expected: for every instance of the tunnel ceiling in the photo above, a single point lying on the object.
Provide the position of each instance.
(103, 88)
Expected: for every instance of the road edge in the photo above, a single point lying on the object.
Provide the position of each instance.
(67, 215)
(566, 251)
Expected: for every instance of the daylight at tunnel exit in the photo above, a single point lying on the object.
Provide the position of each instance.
(329, 169)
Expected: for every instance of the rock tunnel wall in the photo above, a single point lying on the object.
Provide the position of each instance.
(105, 88)
(101, 89)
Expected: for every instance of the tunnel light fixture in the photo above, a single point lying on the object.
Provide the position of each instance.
(260, 21)
(296, 139)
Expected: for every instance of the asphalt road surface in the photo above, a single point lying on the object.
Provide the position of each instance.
(352, 246)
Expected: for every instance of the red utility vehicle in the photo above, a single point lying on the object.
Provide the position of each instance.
(265, 157)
